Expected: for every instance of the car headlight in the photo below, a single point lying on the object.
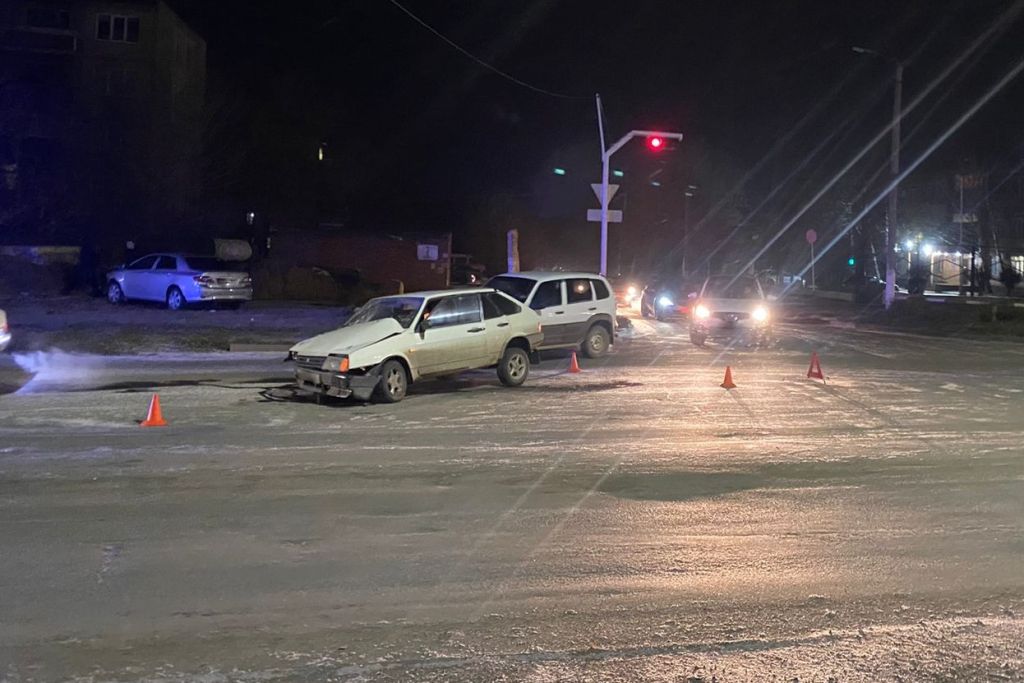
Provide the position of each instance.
(631, 290)
(335, 364)
(702, 312)
(664, 301)
(760, 314)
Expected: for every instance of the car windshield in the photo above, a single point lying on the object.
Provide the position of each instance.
(729, 287)
(209, 263)
(518, 288)
(401, 308)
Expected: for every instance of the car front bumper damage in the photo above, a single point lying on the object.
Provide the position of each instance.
(338, 384)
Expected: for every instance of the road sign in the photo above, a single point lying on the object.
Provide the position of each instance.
(614, 215)
(811, 236)
(612, 189)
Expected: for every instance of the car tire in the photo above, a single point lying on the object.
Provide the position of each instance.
(115, 294)
(514, 367)
(596, 343)
(394, 383)
(175, 299)
(698, 338)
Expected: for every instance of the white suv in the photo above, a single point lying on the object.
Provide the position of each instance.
(395, 340)
(577, 310)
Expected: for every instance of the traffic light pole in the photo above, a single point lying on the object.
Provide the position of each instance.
(606, 155)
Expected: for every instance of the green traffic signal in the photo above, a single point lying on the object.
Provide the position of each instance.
(851, 261)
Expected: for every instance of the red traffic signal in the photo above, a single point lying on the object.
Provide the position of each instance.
(656, 143)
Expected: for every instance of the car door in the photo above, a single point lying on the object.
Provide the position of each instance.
(497, 309)
(451, 335)
(549, 301)
(579, 306)
(136, 277)
(161, 277)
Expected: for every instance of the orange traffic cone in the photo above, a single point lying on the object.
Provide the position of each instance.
(727, 383)
(154, 418)
(574, 365)
(814, 372)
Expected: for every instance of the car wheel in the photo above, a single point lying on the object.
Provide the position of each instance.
(596, 342)
(698, 338)
(514, 367)
(175, 299)
(114, 293)
(394, 382)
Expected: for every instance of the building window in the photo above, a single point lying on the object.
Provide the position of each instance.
(117, 28)
(46, 17)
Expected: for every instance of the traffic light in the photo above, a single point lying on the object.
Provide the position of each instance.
(656, 143)
(851, 262)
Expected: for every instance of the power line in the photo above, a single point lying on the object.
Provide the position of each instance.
(481, 62)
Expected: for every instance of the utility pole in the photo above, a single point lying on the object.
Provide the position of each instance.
(686, 223)
(894, 167)
(606, 155)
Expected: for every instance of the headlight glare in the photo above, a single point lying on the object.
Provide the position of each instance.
(664, 301)
(702, 312)
(760, 314)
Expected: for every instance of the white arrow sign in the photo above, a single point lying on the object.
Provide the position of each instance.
(594, 215)
(612, 189)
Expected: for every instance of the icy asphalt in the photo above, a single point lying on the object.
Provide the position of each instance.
(634, 522)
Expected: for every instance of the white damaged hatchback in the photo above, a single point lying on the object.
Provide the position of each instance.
(393, 341)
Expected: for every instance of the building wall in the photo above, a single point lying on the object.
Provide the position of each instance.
(103, 129)
(379, 260)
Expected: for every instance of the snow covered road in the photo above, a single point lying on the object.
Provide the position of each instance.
(635, 522)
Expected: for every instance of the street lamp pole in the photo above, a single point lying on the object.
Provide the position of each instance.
(606, 155)
(889, 294)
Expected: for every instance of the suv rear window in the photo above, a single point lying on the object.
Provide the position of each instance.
(518, 288)
(577, 291)
(601, 289)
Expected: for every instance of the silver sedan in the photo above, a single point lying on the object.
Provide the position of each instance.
(5, 331)
(178, 280)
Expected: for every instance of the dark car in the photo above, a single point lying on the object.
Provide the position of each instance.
(664, 300)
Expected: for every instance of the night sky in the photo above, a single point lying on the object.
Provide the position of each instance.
(420, 127)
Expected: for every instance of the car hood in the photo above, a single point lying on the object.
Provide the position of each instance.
(733, 305)
(346, 340)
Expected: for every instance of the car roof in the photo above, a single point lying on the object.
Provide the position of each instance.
(551, 275)
(441, 292)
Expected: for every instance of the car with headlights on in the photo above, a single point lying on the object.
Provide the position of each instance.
(179, 280)
(731, 306)
(5, 331)
(394, 341)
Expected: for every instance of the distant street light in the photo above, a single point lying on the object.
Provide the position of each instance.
(618, 173)
(655, 141)
(559, 171)
(894, 167)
